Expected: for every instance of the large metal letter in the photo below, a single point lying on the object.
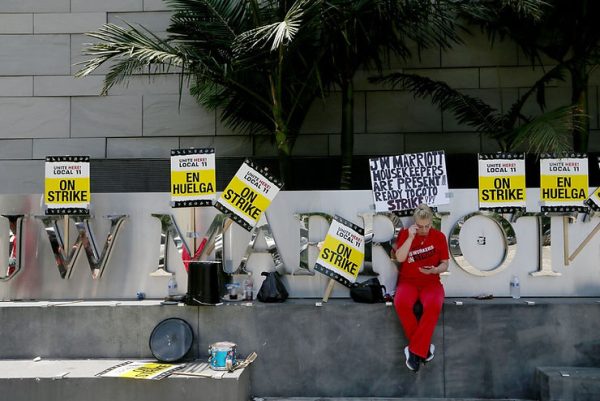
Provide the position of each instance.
(368, 219)
(304, 220)
(544, 229)
(508, 234)
(271, 249)
(15, 242)
(66, 260)
(213, 241)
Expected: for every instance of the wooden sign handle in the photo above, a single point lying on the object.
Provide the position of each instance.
(328, 290)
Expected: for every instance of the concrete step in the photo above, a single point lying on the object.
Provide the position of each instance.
(76, 380)
(559, 383)
(384, 399)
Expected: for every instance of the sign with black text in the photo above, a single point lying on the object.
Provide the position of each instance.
(248, 194)
(401, 183)
(193, 178)
(502, 182)
(67, 185)
(342, 252)
(144, 370)
(563, 183)
(594, 200)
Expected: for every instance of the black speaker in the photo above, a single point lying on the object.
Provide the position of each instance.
(204, 283)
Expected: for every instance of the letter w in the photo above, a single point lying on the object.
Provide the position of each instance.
(65, 260)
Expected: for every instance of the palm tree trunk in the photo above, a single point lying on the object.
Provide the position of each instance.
(285, 158)
(581, 123)
(347, 138)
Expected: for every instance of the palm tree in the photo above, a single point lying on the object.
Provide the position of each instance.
(252, 59)
(512, 129)
(359, 34)
(569, 34)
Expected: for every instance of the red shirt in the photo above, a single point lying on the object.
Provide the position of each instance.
(428, 250)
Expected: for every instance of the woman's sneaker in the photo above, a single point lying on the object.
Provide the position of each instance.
(412, 361)
(430, 354)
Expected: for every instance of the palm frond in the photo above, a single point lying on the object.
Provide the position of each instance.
(278, 33)
(550, 132)
(467, 109)
(557, 73)
(131, 49)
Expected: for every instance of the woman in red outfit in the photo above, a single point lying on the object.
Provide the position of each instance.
(423, 254)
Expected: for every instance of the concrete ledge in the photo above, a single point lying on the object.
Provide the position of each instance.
(568, 383)
(75, 380)
(484, 349)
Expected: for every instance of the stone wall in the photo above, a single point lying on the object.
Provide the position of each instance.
(484, 349)
(45, 110)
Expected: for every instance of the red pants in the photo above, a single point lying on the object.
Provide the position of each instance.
(419, 332)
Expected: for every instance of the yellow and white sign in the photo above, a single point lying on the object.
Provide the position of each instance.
(67, 185)
(145, 370)
(248, 195)
(193, 177)
(564, 183)
(343, 252)
(502, 182)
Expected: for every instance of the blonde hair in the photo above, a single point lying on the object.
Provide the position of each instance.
(423, 212)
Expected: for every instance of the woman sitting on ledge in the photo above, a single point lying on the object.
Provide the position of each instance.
(423, 254)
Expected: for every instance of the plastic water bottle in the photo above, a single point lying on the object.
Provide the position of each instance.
(515, 287)
(172, 286)
(248, 295)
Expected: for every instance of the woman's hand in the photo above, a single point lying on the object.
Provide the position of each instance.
(412, 231)
(428, 270)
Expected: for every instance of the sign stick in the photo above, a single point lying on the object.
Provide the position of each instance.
(565, 220)
(193, 217)
(328, 290)
(585, 242)
(66, 233)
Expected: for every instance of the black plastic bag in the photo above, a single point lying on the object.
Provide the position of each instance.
(369, 291)
(272, 289)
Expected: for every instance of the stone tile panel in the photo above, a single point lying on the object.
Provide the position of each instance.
(78, 6)
(154, 21)
(15, 149)
(67, 86)
(16, 86)
(164, 117)
(325, 116)
(240, 146)
(68, 23)
(107, 116)
(27, 117)
(16, 23)
(93, 147)
(389, 112)
(119, 148)
(34, 55)
(34, 6)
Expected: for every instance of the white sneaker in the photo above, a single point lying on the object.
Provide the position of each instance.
(430, 354)
(412, 360)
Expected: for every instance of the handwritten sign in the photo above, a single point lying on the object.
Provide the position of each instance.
(145, 370)
(343, 252)
(401, 183)
(563, 183)
(248, 194)
(502, 182)
(67, 185)
(193, 178)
